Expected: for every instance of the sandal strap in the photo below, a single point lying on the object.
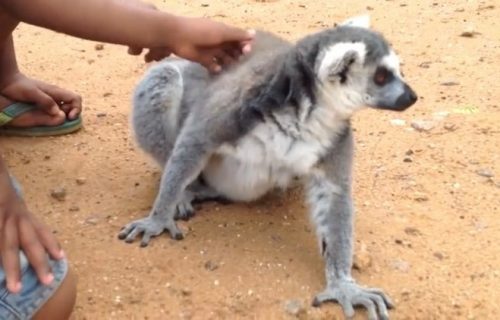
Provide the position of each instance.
(14, 110)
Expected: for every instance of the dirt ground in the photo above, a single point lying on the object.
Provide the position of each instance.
(427, 223)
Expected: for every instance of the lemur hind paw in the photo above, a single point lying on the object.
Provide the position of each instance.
(348, 294)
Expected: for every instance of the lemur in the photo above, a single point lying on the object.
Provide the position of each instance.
(282, 111)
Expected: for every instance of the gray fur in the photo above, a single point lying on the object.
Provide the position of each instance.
(282, 111)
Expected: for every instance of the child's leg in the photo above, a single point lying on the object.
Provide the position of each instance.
(35, 300)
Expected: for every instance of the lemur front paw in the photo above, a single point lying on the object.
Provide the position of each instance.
(149, 227)
(348, 294)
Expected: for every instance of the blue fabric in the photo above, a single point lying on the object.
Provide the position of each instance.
(33, 294)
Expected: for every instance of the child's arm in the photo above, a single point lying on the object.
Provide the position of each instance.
(138, 26)
(19, 229)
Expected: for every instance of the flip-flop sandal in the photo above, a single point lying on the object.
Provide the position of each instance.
(18, 108)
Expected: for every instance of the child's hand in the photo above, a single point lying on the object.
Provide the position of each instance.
(210, 43)
(19, 229)
(53, 100)
(154, 54)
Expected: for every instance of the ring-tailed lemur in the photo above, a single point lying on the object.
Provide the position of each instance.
(282, 111)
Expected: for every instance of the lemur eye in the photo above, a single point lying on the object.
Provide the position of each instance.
(382, 76)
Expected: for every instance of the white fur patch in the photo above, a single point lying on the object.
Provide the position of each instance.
(334, 56)
(267, 158)
(392, 62)
(347, 98)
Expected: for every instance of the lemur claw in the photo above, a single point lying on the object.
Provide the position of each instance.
(349, 294)
(149, 227)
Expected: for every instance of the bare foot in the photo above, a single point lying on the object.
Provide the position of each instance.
(32, 118)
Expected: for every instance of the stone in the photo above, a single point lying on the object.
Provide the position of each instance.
(59, 193)
(422, 125)
(294, 308)
(362, 258)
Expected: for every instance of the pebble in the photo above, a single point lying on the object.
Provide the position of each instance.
(186, 292)
(412, 231)
(362, 258)
(485, 172)
(450, 126)
(74, 208)
(398, 122)
(101, 115)
(99, 47)
(401, 265)
(294, 308)
(211, 266)
(469, 33)
(58, 193)
(80, 181)
(449, 83)
(92, 220)
(420, 197)
(407, 159)
(438, 255)
(422, 125)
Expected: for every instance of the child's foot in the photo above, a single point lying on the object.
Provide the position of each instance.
(31, 118)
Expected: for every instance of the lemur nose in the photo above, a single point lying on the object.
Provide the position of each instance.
(413, 96)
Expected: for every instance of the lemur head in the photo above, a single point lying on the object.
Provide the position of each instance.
(356, 67)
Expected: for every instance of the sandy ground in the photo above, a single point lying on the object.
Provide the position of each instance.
(427, 227)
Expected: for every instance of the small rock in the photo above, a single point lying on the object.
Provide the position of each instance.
(102, 114)
(362, 258)
(294, 308)
(81, 181)
(449, 83)
(412, 231)
(74, 208)
(211, 266)
(469, 33)
(441, 115)
(398, 122)
(485, 172)
(420, 197)
(438, 255)
(186, 292)
(409, 152)
(425, 65)
(422, 125)
(401, 265)
(107, 94)
(450, 126)
(99, 47)
(407, 159)
(405, 293)
(58, 193)
(92, 220)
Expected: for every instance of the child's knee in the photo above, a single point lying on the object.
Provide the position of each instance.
(61, 304)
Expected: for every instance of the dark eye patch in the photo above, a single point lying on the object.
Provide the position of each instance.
(343, 72)
(382, 76)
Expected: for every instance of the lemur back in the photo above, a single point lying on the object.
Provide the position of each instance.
(268, 156)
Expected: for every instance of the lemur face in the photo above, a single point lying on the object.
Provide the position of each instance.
(357, 68)
(387, 89)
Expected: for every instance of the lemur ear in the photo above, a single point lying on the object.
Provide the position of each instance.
(361, 21)
(338, 60)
